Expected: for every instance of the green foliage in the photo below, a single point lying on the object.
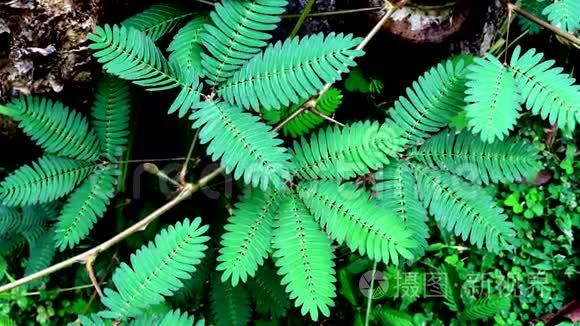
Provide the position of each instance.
(84, 206)
(186, 46)
(172, 318)
(433, 100)
(41, 255)
(247, 241)
(54, 127)
(352, 218)
(397, 191)
(392, 317)
(464, 154)
(156, 270)
(485, 308)
(239, 31)
(268, 293)
(158, 20)
(304, 256)
(463, 209)
(546, 90)
(247, 147)
(48, 179)
(495, 92)
(110, 113)
(230, 305)
(132, 55)
(370, 146)
(564, 14)
(493, 99)
(287, 72)
(450, 287)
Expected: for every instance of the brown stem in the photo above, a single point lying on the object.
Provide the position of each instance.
(184, 194)
(568, 36)
(91, 273)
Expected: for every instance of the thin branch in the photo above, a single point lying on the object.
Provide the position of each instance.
(205, 2)
(183, 171)
(370, 294)
(302, 18)
(105, 275)
(565, 35)
(184, 194)
(92, 277)
(325, 117)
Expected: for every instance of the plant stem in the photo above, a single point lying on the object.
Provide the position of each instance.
(183, 171)
(568, 36)
(92, 277)
(184, 194)
(370, 294)
(302, 18)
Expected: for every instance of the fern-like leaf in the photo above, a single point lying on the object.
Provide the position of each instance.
(240, 29)
(40, 256)
(230, 305)
(493, 99)
(353, 218)
(186, 46)
(9, 220)
(450, 287)
(54, 127)
(564, 14)
(84, 206)
(110, 114)
(246, 242)
(306, 121)
(158, 20)
(132, 55)
(45, 180)
(303, 254)
(464, 209)
(194, 289)
(486, 308)
(156, 270)
(172, 318)
(246, 146)
(466, 155)
(546, 90)
(342, 153)
(287, 72)
(268, 293)
(432, 101)
(396, 190)
(392, 317)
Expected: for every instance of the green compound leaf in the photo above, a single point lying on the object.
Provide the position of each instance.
(246, 147)
(287, 72)
(466, 155)
(156, 270)
(247, 241)
(493, 99)
(303, 255)
(348, 215)
(45, 180)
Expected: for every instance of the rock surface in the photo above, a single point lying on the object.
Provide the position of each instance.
(42, 45)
